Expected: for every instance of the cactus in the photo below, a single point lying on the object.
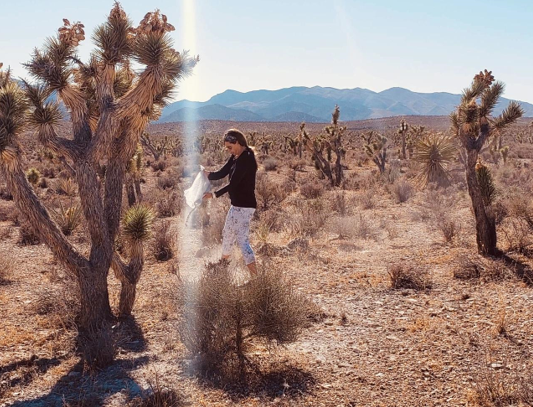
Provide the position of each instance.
(473, 125)
(109, 105)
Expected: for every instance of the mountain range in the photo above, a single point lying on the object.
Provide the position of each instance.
(315, 105)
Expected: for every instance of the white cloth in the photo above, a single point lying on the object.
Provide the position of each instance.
(200, 185)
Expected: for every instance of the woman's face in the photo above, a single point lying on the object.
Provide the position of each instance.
(233, 148)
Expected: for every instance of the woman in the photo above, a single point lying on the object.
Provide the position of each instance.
(241, 169)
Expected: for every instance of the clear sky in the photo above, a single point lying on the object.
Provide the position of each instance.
(425, 46)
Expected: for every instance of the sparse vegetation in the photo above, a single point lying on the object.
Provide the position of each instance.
(222, 318)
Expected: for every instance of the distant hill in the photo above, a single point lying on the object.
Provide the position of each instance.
(314, 105)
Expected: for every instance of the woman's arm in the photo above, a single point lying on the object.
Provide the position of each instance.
(223, 172)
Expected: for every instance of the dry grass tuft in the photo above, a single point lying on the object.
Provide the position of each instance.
(164, 242)
(402, 190)
(478, 267)
(269, 194)
(168, 204)
(7, 266)
(159, 395)
(312, 190)
(27, 235)
(402, 276)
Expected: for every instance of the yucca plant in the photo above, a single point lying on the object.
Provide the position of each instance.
(69, 218)
(473, 125)
(434, 153)
(109, 106)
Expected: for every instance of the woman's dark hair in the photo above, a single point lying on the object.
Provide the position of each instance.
(235, 136)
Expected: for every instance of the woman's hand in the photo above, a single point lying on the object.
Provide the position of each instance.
(207, 195)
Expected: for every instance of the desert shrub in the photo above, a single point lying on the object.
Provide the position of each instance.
(474, 266)
(220, 317)
(159, 165)
(33, 175)
(405, 276)
(27, 235)
(168, 181)
(268, 193)
(502, 389)
(164, 242)
(307, 219)
(402, 190)
(438, 208)
(65, 186)
(270, 164)
(516, 220)
(363, 228)
(353, 227)
(467, 268)
(312, 190)
(517, 233)
(340, 204)
(297, 164)
(350, 182)
(159, 396)
(7, 265)
(367, 200)
(168, 204)
(59, 302)
(274, 218)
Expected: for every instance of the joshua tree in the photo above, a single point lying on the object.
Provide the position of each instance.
(376, 148)
(331, 142)
(109, 106)
(402, 132)
(473, 125)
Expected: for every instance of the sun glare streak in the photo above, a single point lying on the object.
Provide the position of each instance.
(190, 240)
(189, 41)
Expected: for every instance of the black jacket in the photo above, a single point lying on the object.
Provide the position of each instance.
(241, 185)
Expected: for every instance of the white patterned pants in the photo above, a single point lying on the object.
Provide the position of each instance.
(236, 230)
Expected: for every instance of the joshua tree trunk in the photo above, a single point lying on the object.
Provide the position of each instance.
(95, 311)
(485, 221)
(129, 275)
